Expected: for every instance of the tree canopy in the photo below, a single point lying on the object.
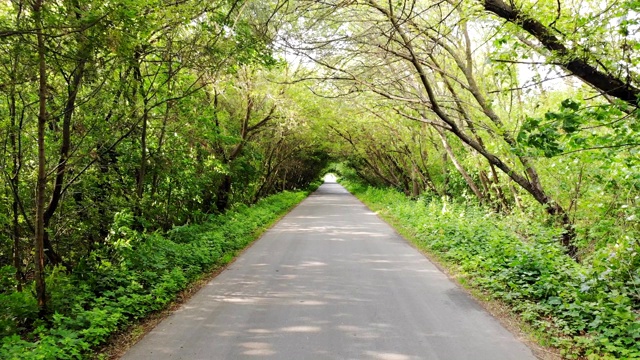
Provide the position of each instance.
(169, 112)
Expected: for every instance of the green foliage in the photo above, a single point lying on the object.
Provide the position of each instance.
(589, 309)
(130, 276)
(571, 129)
(7, 278)
(182, 110)
(18, 311)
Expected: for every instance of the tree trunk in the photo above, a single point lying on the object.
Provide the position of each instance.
(142, 167)
(14, 134)
(165, 118)
(445, 174)
(516, 197)
(41, 295)
(143, 155)
(458, 166)
(222, 196)
(415, 190)
(486, 184)
(65, 147)
(56, 196)
(499, 192)
(532, 186)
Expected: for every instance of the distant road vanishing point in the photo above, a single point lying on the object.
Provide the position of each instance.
(331, 281)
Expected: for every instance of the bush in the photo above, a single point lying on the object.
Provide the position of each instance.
(130, 276)
(590, 309)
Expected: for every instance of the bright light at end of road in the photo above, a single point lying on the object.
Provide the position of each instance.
(330, 178)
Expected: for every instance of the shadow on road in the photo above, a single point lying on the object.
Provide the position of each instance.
(331, 281)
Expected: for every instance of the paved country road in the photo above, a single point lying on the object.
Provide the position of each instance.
(330, 281)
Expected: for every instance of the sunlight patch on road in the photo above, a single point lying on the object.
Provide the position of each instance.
(357, 331)
(349, 328)
(228, 333)
(313, 263)
(284, 298)
(286, 277)
(387, 356)
(240, 300)
(301, 329)
(257, 349)
(311, 302)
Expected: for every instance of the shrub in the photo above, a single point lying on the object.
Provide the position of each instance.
(590, 309)
(130, 276)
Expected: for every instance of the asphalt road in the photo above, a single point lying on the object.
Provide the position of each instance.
(330, 281)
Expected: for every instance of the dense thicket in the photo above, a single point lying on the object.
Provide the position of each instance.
(168, 110)
(584, 310)
(129, 276)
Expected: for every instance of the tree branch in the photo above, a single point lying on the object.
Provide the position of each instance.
(606, 83)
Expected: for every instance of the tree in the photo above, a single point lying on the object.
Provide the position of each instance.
(578, 59)
(107, 89)
(420, 58)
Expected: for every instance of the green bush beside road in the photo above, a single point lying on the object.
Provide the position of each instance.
(130, 276)
(589, 309)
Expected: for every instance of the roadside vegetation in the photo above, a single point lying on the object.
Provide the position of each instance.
(133, 136)
(131, 275)
(501, 145)
(123, 121)
(588, 310)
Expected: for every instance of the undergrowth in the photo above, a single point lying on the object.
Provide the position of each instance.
(588, 310)
(130, 276)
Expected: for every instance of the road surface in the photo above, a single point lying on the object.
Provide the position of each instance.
(330, 281)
